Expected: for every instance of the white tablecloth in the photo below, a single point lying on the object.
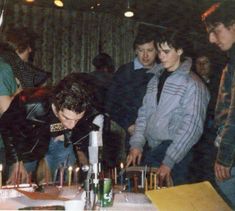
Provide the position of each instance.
(122, 201)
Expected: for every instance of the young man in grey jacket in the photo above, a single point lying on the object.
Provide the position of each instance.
(172, 115)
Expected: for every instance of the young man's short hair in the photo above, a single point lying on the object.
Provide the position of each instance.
(220, 12)
(143, 38)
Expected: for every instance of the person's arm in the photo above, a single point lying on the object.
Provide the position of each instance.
(226, 152)
(8, 87)
(190, 128)
(5, 101)
(137, 140)
(18, 174)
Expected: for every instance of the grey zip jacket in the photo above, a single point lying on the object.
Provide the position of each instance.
(179, 115)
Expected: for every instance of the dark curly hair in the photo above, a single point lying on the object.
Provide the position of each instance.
(72, 93)
(176, 39)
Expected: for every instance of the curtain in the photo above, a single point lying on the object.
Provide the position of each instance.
(69, 40)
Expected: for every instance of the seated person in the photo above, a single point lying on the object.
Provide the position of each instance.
(172, 115)
(43, 122)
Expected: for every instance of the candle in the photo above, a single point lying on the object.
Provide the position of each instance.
(55, 176)
(151, 181)
(61, 176)
(115, 175)
(0, 175)
(146, 184)
(155, 182)
(121, 176)
(112, 174)
(128, 184)
(135, 178)
(30, 179)
(142, 178)
(70, 169)
(76, 176)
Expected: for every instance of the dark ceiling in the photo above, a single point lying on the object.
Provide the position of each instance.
(158, 12)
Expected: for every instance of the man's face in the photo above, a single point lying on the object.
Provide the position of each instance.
(169, 57)
(222, 36)
(146, 54)
(67, 117)
(203, 65)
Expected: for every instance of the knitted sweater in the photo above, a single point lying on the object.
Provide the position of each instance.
(179, 116)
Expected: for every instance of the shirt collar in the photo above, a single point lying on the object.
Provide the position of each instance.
(138, 65)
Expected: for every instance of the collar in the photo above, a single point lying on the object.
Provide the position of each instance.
(185, 67)
(138, 65)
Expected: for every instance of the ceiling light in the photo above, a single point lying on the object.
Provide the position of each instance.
(128, 13)
(29, 1)
(59, 3)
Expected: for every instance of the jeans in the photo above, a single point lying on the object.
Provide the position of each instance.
(180, 172)
(227, 188)
(58, 155)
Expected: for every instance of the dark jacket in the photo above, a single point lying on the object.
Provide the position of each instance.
(126, 93)
(225, 113)
(25, 126)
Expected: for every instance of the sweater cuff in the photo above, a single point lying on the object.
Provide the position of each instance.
(226, 154)
(168, 162)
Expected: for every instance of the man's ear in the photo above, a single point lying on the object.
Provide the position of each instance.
(233, 26)
(180, 51)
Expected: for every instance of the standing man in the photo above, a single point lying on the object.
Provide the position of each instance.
(220, 24)
(172, 115)
(130, 81)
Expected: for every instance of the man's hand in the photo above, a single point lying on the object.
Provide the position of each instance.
(221, 172)
(131, 129)
(18, 174)
(134, 157)
(163, 173)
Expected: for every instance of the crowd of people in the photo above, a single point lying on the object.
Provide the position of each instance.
(164, 107)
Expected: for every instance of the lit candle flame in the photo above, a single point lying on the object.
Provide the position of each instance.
(121, 166)
(77, 169)
(70, 168)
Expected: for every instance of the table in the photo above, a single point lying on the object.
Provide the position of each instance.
(122, 201)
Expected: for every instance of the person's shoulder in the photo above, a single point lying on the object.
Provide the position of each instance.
(4, 66)
(125, 67)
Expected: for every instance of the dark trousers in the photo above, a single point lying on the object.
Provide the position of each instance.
(180, 172)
